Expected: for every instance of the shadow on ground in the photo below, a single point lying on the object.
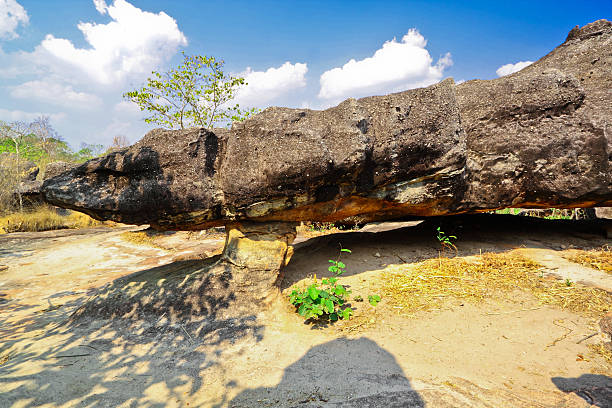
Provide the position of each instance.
(156, 347)
(475, 234)
(593, 388)
(147, 347)
(340, 373)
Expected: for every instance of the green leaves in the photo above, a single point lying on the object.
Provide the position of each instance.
(329, 306)
(445, 240)
(346, 313)
(313, 292)
(374, 299)
(195, 94)
(336, 267)
(324, 301)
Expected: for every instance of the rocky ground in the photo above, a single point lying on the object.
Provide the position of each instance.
(510, 351)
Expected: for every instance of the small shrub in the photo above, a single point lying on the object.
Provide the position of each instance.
(326, 301)
(445, 240)
(374, 299)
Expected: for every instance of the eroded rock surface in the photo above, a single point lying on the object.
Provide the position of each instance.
(537, 138)
(242, 281)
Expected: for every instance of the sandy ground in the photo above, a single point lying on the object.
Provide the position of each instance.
(507, 352)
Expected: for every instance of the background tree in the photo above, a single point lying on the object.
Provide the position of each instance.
(195, 94)
(15, 133)
(25, 146)
(42, 128)
(89, 151)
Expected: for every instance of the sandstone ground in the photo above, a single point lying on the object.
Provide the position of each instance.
(508, 351)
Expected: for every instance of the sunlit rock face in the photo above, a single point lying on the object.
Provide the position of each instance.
(541, 137)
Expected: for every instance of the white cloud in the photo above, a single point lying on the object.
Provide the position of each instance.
(100, 6)
(134, 42)
(56, 94)
(19, 115)
(126, 108)
(84, 83)
(512, 68)
(265, 86)
(11, 15)
(394, 67)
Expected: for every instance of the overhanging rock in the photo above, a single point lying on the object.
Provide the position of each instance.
(537, 138)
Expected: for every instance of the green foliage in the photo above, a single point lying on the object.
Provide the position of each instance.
(512, 211)
(374, 299)
(548, 213)
(326, 301)
(195, 94)
(88, 152)
(445, 240)
(336, 266)
(38, 142)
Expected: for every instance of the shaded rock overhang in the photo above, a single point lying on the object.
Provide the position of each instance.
(540, 137)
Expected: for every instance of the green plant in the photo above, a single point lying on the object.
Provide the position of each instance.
(195, 94)
(324, 301)
(568, 282)
(336, 266)
(374, 299)
(445, 240)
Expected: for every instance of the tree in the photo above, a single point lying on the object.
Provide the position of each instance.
(88, 151)
(16, 132)
(42, 128)
(195, 94)
(44, 143)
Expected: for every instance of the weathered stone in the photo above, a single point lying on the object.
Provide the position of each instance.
(241, 282)
(537, 138)
(56, 168)
(603, 212)
(265, 246)
(606, 324)
(30, 193)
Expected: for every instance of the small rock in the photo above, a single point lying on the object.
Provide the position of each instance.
(3, 267)
(606, 324)
(377, 255)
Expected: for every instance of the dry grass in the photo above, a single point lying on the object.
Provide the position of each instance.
(427, 285)
(145, 237)
(44, 219)
(603, 350)
(600, 259)
(311, 230)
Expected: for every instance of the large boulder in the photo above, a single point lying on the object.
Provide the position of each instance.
(18, 181)
(534, 139)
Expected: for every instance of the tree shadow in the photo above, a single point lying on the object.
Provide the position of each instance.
(340, 373)
(20, 244)
(144, 339)
(475, 234)
(593, 388)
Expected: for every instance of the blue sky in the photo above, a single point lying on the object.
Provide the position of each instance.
(72, 59)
